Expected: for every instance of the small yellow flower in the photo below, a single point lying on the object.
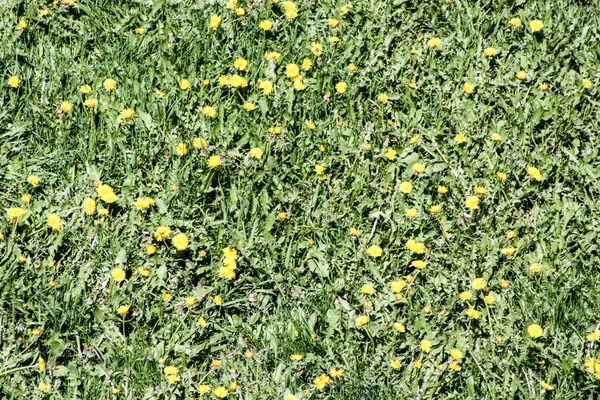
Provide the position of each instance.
(241, 64)
(184, 84)
(395, 364)
(14, 213)
(534, 173)
(535, 331)
(415, 247)
(54, 221)
(521, 75)
(66, 106)
(405, 187)
(478, 284)
(367, 288)
(472, 202)
(109, 84)
(282, 215)
(90, 103)
(434, 42)
(214, 162)
(586, 83)
(118, 274)
(425, 345)
(434, 209)
(460, 138)
(319, 169)
(472, 313)
(106, 193)
(546, 386)
(543, 86)
(316, 49)
(162, 232)
(595, 335)
(22, 24)
(127, 113)
(203, 389)
(508, 251)
(490, 52)
(181, 149)
(89, 206)
(535, 268)
(333, 23)
(123, 310)
(361, 320)
(33, 180)
(418, 168)
(390, 154)
(14, 81)
(256, 153)
(382, 97)
(465, 296)
(374, 251)
(296, 357)
(442, 189)
(500, 175)
(214, 22)
(536, 25)
(180, 241)
(265, 25)
(456, 354)
(266, 87)
(516, 22)
(310, 125)
(249, 106)
(341, 87)
(272, 55)
(397, 286)
(209, 111)
(190, 300)
(468, 88)
(221, 392)
(352, 68)
(410, 213)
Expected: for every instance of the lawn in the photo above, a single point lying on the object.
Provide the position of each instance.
(268, 199)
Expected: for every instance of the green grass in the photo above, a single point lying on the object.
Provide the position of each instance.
(299, 279)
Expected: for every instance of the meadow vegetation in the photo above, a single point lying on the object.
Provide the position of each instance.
(299, 200)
